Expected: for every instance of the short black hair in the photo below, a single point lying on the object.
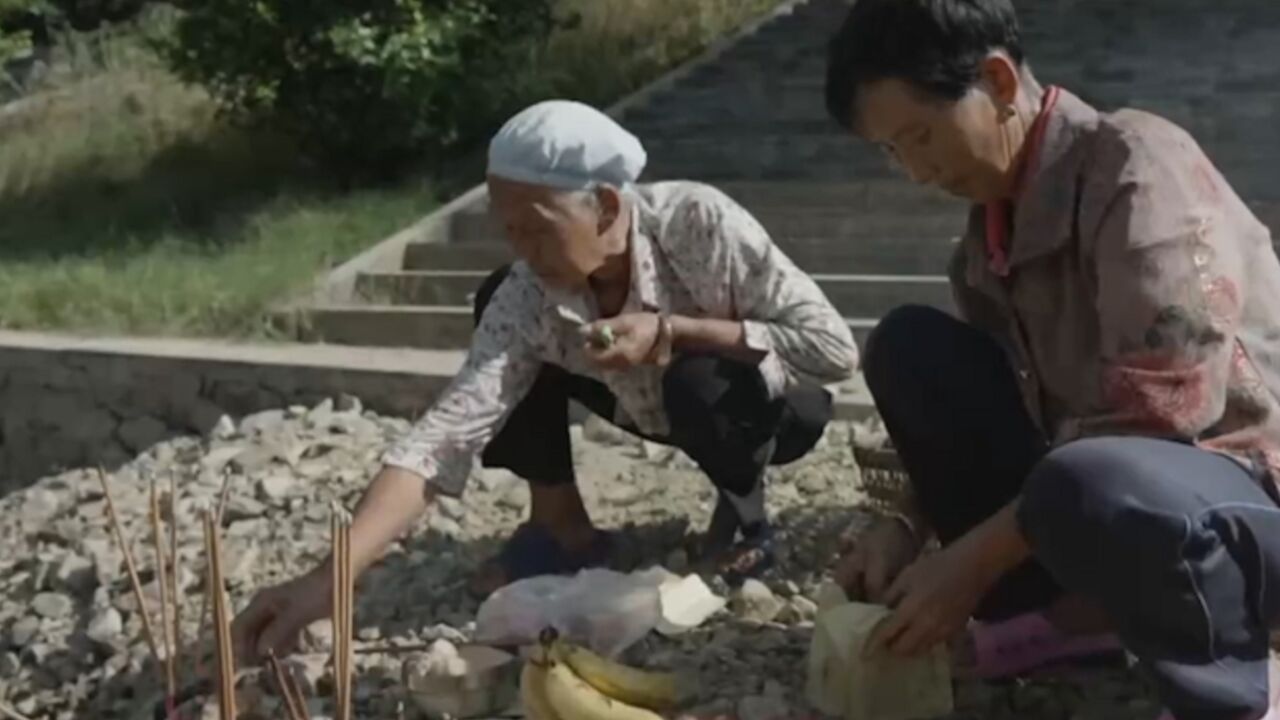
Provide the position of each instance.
(937, 46)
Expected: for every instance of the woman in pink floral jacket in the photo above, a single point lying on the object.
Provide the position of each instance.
(1096, 440)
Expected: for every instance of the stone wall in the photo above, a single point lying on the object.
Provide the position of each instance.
(71, 402)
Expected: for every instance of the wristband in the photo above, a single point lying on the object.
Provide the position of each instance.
(660, 353)
(908, 524)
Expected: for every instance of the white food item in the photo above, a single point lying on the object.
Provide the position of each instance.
(843, 683)
(461, 682)
(686, 604)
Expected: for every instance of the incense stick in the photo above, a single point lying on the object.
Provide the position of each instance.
(335, 554)
(223, 496)
(342, 611)
(294, 705)
(174, 562)
(221, 620)
(349, 636)
(162, 580)
(114, 520)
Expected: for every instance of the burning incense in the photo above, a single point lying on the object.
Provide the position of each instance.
(130, 566)
(342, 611)
(162, 580)
(221, 619)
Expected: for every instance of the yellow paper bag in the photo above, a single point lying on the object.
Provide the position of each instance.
(841, 682)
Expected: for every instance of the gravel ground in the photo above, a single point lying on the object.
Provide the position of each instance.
(71, 640)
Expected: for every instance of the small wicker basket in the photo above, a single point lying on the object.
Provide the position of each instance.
(884, 480)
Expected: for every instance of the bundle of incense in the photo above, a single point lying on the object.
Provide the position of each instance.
(221, 618)
(342, 611)
(131, 567)
(166, 571)
(174, 560)
(223, 496)
(165, 584)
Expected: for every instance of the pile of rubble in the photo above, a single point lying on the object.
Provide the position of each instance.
(71, 637)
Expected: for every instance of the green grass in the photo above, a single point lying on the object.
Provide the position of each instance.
(210, 285)
(129, 207)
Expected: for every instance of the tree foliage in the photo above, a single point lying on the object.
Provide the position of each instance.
(366, 87)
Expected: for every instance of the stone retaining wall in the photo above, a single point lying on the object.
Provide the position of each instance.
(71, 402)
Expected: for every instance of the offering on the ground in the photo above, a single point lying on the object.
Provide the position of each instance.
(844, 683)
(564, 681)
(686, 603)
(461, 682)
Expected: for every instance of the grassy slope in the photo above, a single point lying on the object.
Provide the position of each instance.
(129, 208)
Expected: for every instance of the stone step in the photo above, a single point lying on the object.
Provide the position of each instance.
(740, 123)
(436, 256)
(772, 170)
(1252, 173)
(841, 224)
(761, 86)
(803, 69)
(912, 255)
(892, 195)
(805, 122)
(433, 370)
(812, 166)
(756, 98)
(437, 327)
(852, 295)
(826, 145)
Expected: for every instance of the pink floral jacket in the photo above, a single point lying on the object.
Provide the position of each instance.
(1142, 298)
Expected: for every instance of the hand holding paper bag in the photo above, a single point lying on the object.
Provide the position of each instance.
(845, 683)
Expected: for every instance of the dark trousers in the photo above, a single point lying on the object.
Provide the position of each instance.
(719, 412)
(1180, 546)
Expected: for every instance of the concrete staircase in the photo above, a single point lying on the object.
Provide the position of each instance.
(751, 120)
(874, 266)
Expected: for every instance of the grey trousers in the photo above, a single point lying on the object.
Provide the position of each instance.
(1180, 546)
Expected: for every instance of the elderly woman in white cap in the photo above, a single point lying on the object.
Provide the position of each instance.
(664, 308)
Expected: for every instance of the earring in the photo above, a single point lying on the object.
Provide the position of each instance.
(1006, 112)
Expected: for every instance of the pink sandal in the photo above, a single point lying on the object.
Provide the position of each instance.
(1025, 642)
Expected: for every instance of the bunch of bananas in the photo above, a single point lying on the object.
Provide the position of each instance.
(563, 681)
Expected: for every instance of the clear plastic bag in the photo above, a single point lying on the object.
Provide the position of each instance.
(603, 610)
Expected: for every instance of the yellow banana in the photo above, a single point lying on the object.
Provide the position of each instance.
(573, 698)
(653, 690)
(533, 692)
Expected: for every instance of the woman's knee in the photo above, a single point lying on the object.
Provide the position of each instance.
(701, 390)
(692, 386)
(895, 346)
(1081, 494)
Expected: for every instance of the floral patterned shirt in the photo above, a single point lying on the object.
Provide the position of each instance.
(695, 253)
(1142, 297)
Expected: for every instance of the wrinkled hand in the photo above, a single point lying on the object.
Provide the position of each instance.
(875, 560)
(276, 617)
(932, 600)
(634, 335)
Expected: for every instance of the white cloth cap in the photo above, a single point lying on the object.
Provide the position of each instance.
(566, 145)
